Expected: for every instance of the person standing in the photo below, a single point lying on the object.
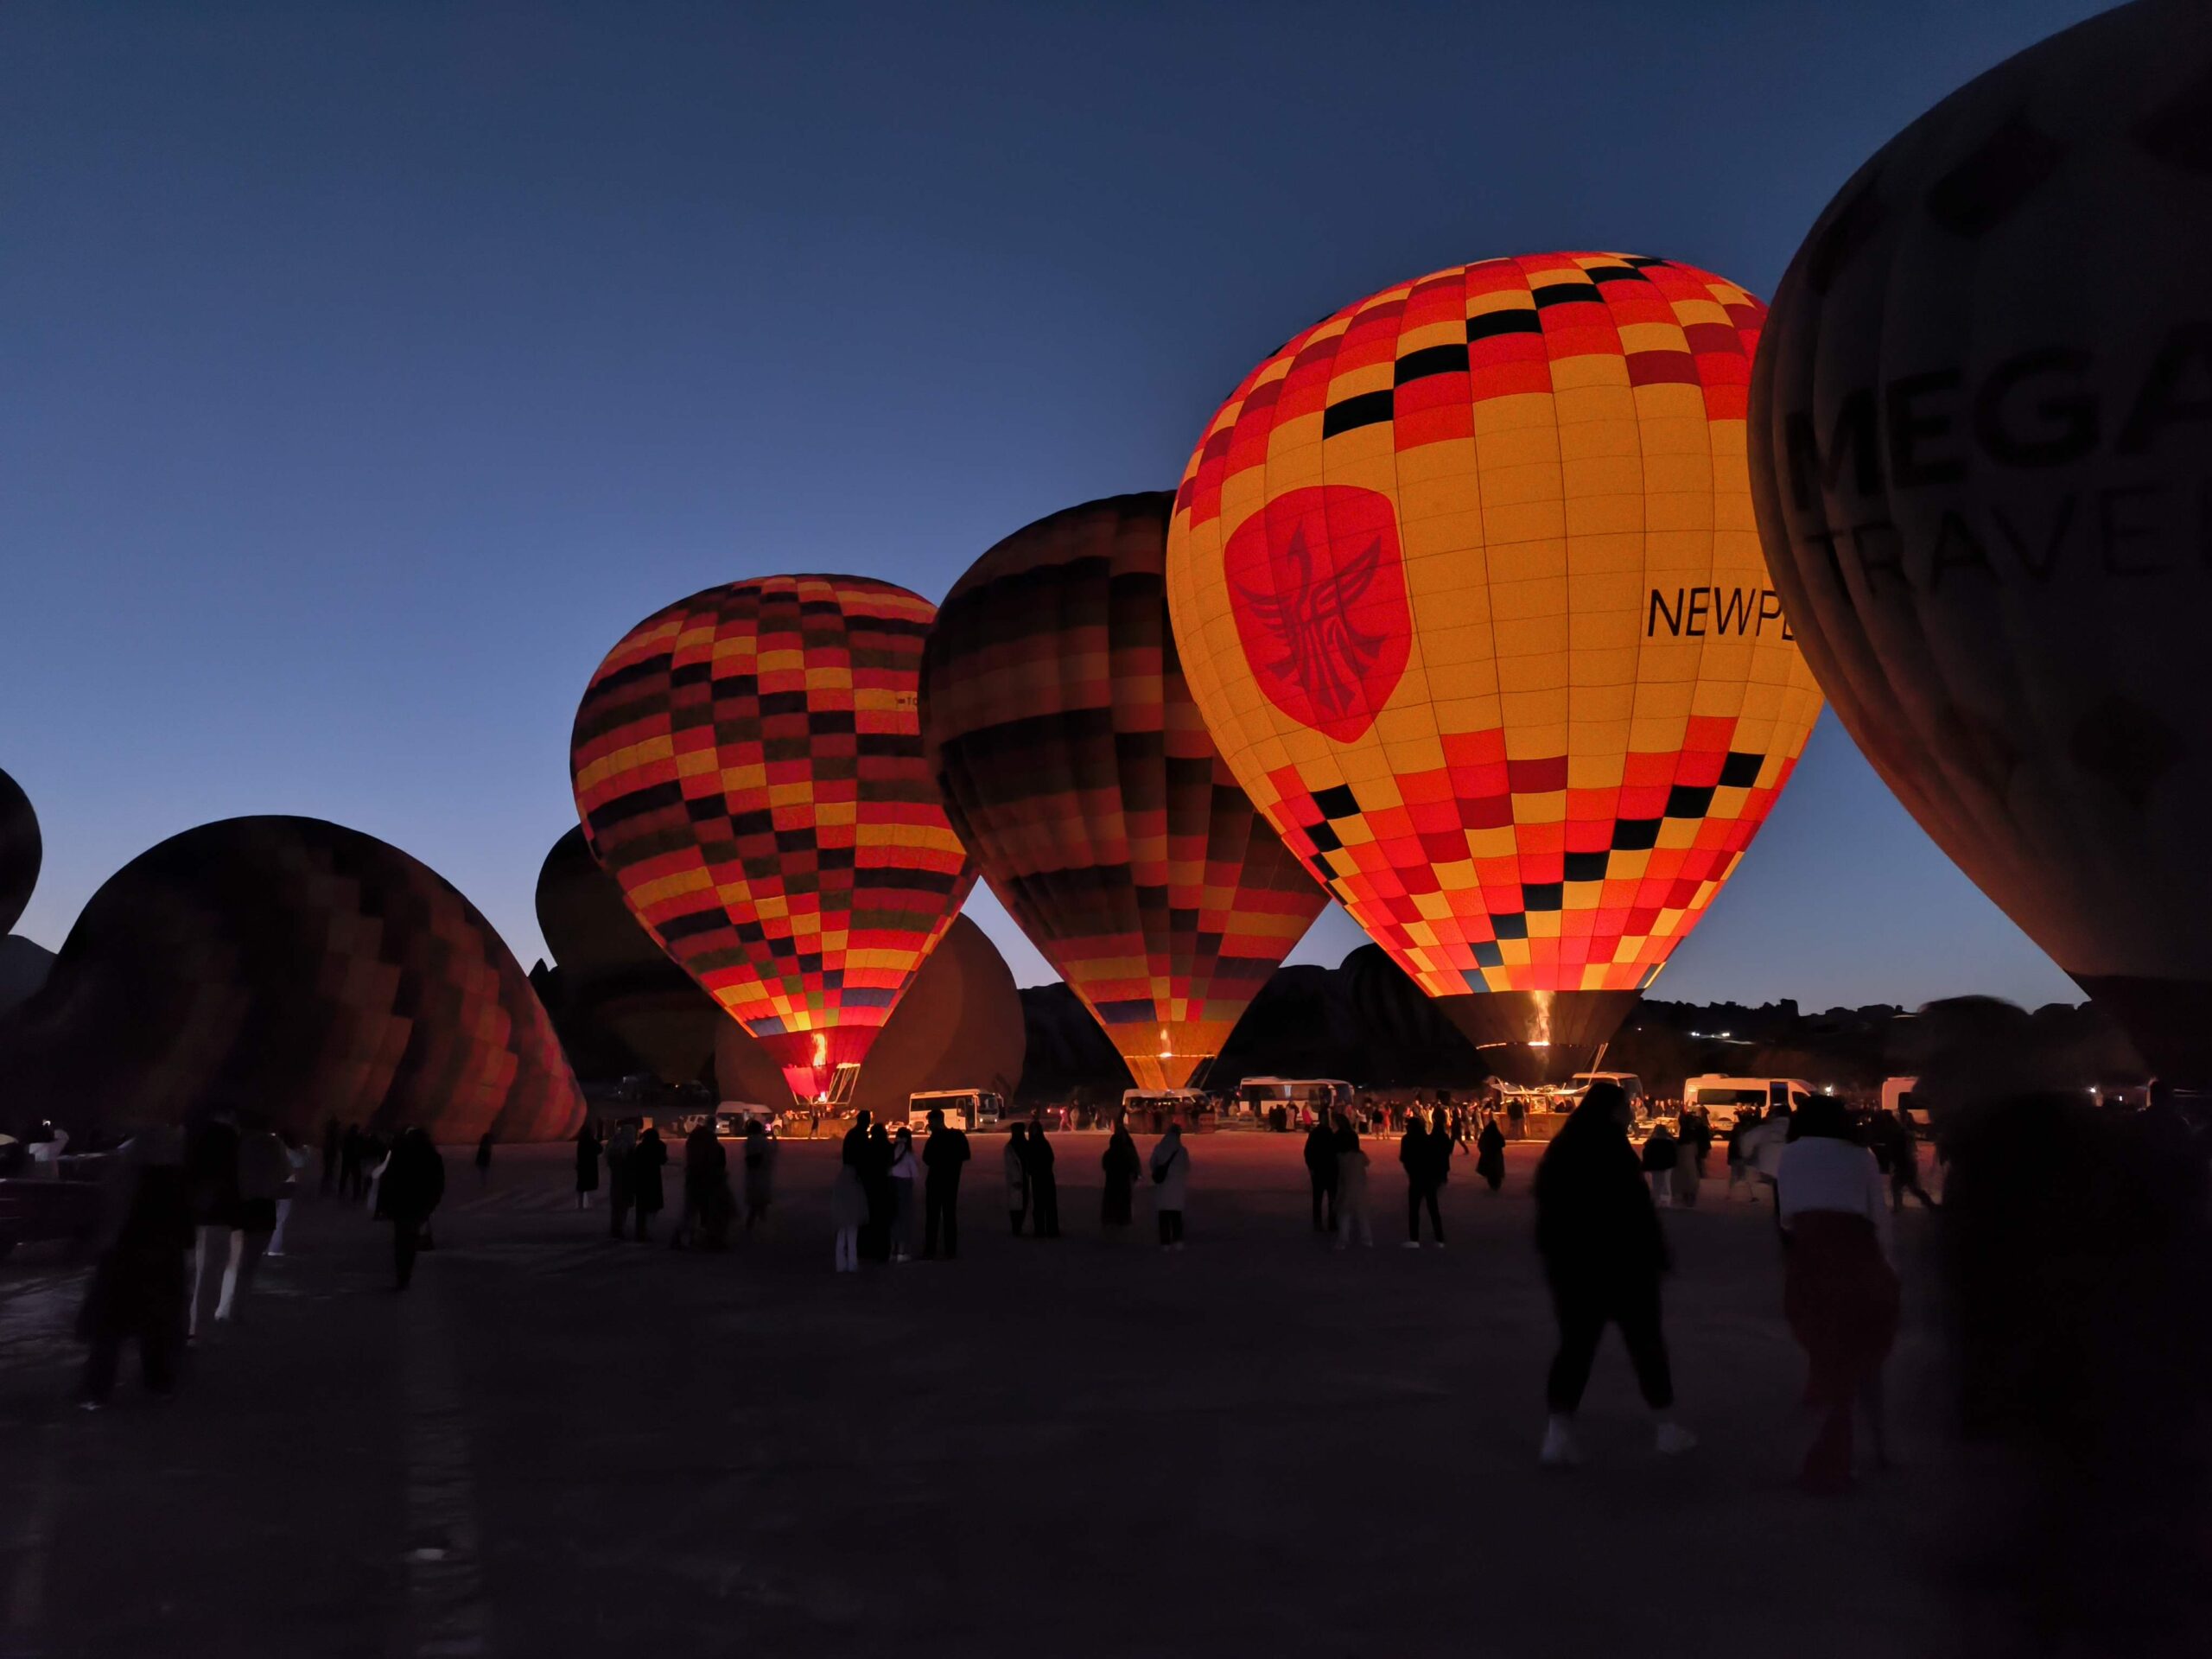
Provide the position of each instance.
(349, 1163)
(1121, 1165)
(1321, 1172)
(295, 1161)
(1044, 1186)
(647, 1195)
(1839, 1289)
(414, 1183)
(265, 1171)
(706, 1189)
(1490, 1153)
(137, 1290)
(759, 1172)
(587, 1151)
(942, 1157)
(1695, 1138)
(848, 1197)
(1905, 1166)
(1740, 1172)
(1419, 1154)
(1661, 1153)
(333, 1145)
(211, 1174)
(1171, 1185)
(1352, 1164)
(1017, 1176)
(621, 1189)
(484, 1159)
(1516, 1116)
(904, 1168)
(875, 1186)
(1602, 1254)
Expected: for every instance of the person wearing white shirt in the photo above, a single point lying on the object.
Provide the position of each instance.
(1841, 1290)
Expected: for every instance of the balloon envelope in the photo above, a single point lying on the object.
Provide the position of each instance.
(296, 969)
(1074, 767)
(1466, 585)
(20, 851)
(1982, 445)
(747, 763)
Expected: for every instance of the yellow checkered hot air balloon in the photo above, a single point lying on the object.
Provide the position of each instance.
(1467, 586)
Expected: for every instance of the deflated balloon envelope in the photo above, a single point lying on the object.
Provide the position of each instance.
(1465, 582)
(20, 851)
(292, 968)
(747, 763)
(1074, 767)
(1981, 441)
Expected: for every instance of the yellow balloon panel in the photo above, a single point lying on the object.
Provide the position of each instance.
(1468, 589)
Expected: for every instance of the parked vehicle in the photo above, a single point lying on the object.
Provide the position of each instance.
(38, 1209)
(1303, 1099)
(1898, 1097)
(1155, 1109)
(732, 1118)
(1722, 1098)
(1630, 1084)
(963, 1108)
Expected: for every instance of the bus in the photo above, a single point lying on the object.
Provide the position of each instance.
(963, 1108)
(1303, 1099)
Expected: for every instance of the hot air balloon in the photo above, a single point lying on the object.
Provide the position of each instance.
(20, 851)
(748, 765)
(288, 966)
(1981, 443)
(958, 1026)
(1074, 767)
(619, 1000)
(1465, 581)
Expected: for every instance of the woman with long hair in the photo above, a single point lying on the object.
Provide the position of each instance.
(1604, 1254)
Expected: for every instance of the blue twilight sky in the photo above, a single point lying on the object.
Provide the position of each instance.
(366, 371)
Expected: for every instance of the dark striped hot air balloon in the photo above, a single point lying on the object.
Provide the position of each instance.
(20, 850)
(1982, 444)
(747, 763)
(291, 968)
(1076, 767)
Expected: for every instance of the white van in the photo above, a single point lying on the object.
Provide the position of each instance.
(1896, 1096)
(1722, 1098)
(1155, 1109)
(963, 1108)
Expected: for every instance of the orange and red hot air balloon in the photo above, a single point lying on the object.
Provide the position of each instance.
(1076, 767)
(1466, 584)
(748, 765)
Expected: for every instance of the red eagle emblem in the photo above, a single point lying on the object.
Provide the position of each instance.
(1317, 585)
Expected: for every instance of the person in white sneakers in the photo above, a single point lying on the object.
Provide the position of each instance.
(1604, 1254)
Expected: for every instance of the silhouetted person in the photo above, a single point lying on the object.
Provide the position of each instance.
(647, 1195)
(905, 1166)
(1490, 1154)
(1044, 1186)
(1694, 1139)
(1121, 1167)
(1422, 1154)
(333, 1146)
(349, 1149)
(707, 1202)
(1904, 1163)
(620, 1189)
(1602, 1256)
(211, 1174)
(942, 1157)
(1660, 1153)
(484, 1159)
(1351, 1186)
(137, 1289)
(588, 1154)
(848, 1196)
(875, 1184)
(1171, 1185)
(759, 1172)
(2076, 1247)
(1017, 1175)
(263, 1172)
(414, 1183)
(1840, 1291)
(1321, 1172)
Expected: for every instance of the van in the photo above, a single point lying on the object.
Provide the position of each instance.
(1630, 1084)
(1898, 1097)
(1155, 1109)
(1722, 1098)
(734, 1118)
(963, 1108)
(1303, 1099)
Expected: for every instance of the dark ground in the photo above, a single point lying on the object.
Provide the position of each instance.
(557, 1445)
